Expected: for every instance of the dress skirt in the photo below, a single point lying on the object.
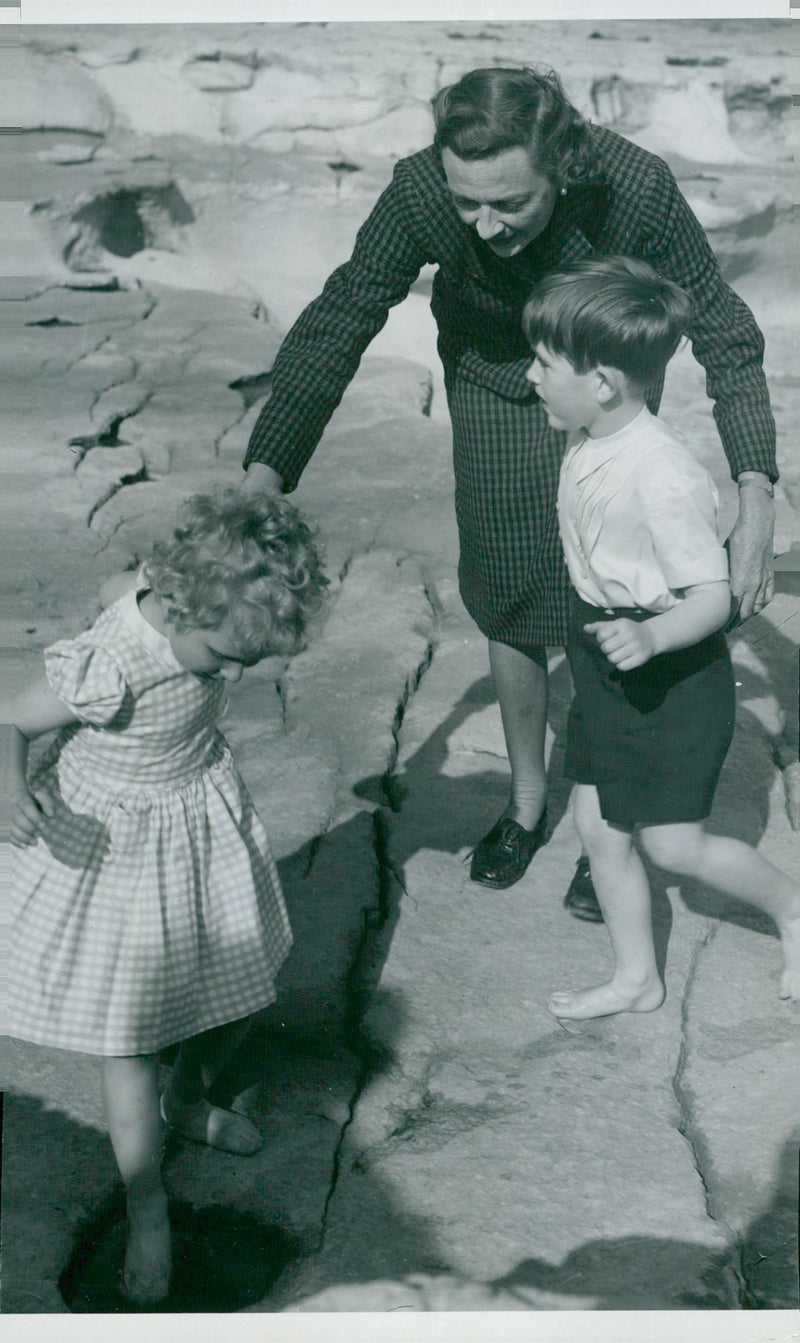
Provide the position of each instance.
(506, 459)
(149, 908)
(146, 918)
(652, 740)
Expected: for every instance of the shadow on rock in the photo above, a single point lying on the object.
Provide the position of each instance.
(631, 1273)
(628, 1273)
(223, 1260)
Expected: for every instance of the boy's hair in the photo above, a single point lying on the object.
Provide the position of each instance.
(610, 310)
(497, 108)
(250, 557)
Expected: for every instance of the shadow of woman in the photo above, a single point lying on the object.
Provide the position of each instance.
(756, 1272)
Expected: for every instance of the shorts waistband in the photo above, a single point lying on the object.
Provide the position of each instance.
(585, 609)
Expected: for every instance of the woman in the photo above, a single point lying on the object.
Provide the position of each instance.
(517, 184)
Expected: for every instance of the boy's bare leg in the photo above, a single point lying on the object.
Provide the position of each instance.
(624, 894)
(130, 1097)
(736, 869)
(522, 691)
(184, 1104)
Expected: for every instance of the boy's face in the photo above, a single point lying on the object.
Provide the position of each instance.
(569, 398)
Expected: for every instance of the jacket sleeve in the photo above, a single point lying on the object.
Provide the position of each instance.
(724, 335)
(321, 353)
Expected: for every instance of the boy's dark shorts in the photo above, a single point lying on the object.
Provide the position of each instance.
(652, 740)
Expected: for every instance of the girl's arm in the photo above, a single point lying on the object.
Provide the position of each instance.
(630, 643)
(31, 713)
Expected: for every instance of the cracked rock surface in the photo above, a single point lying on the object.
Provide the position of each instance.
(434, 1139)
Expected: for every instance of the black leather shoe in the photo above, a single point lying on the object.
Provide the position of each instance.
(502, 856)
(580, 899)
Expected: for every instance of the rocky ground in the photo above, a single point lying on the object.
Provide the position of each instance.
(434, 1140)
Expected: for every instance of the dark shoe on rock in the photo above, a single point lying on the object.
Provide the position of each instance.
(502, 856)
(580, 899)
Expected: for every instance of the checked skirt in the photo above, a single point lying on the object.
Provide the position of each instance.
(506, 458)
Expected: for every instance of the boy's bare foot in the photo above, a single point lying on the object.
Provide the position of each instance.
(206, 1123)
(790, 946)
(148, 1258)
(603, 1000)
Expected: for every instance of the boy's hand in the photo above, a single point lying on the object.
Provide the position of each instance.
(27, 813)
(626, 643)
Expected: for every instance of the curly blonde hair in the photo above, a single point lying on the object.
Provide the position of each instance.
(252, 558)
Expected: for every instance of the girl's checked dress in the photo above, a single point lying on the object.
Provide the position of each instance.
(150, 908)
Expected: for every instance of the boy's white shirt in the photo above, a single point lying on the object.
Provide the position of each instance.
(638, 518)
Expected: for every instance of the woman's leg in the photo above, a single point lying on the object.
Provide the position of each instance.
(521, 683)
(185, 1108)
(735, 868)
(624, 894)
(130, 1097)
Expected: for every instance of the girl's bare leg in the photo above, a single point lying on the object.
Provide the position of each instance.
(130, 1097)
(624, 895)
(736, 869)
(184, 1103)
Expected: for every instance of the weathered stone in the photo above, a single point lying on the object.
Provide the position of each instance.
(424, 1156)
(157, 99)
(398, 132)
(216, 73)
(67, 153)
(72, 101)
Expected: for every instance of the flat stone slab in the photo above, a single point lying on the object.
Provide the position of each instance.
(434, 1140)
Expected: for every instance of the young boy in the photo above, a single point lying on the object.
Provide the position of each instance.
(653, 712)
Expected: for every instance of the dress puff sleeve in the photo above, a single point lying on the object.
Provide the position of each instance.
(86, 678)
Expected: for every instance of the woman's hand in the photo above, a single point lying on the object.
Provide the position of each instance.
(28, 812)
(751, 547)
(262, 479)
(626, 643)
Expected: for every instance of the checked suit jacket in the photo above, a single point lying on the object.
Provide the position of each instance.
(501, 438)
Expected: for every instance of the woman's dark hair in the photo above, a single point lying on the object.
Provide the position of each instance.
(611, 310)
(493, 109)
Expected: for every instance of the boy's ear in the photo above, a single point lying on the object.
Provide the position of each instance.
(611, 383)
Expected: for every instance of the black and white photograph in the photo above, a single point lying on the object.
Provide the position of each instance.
(401, 612)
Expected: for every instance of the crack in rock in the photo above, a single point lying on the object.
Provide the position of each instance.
(359, 983)
(135, 478)
(108, 436)
(692, 1135)
(254, 387)
(390, 787)
(357, 989)
(434, 1122)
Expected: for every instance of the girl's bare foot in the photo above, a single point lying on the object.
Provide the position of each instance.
(206, 1123)
(790, 946)
(603, 1000)
(148, 1258)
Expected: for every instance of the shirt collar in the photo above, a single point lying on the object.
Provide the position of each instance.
(590, 454)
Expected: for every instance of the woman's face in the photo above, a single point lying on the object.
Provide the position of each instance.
(504, 198)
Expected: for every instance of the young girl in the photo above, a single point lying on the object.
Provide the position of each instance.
(147, 904)
(653, 711)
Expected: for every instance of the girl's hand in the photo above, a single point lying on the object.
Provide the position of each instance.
(27, 814)
(626, 643)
